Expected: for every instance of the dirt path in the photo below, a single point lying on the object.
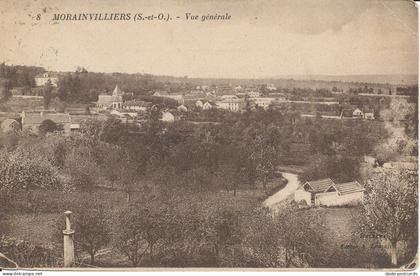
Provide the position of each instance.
(289, 189)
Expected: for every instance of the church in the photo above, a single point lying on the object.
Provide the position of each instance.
(114, 101)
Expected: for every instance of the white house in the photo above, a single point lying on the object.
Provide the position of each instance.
(369, 114)
(136, 105)
(271, 87)
(231, 104)
(42, 79)
(167, 117)
(325, 192)
(357, 113)
(207, 106)
(229, 97)
(253, 94)
(263, 102)
(199, 104)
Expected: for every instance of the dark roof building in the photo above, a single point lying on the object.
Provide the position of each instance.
(318, 186)
(348, 188)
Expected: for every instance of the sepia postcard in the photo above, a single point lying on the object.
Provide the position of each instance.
(269, 135)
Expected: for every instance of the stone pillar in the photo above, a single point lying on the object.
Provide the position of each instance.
(68, 242)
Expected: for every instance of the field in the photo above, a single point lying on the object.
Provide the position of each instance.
(339, 240)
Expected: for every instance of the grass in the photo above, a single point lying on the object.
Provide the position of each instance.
(38, 230)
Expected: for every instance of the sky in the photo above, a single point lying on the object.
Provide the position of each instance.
(263, 38)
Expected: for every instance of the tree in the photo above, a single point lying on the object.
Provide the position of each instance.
(113, 131)
(21, 173)
(5, 93)
(48, 126)
(301, 237)
(121, 170)
(291, 237)
(81, 166)
(25, 175)
(47, 91)
(390, 208)
(265, 158)
(401, 123)
(340, 168)
(140, 228)
(221, 230)
(92, 227)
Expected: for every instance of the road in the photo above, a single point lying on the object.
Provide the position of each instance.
(292, 184)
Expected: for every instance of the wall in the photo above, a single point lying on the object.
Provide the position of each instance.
(333, 199)
(303, 195)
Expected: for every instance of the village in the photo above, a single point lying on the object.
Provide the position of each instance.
(254, 136)
(128, 108)
(309, 153)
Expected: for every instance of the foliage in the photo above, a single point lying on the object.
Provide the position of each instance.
(390, 208)
(140, 229)
(340, 169)
(291, 238)
(91, 223)
(47, 93)
(26, 254)
(20, 76)
(48, 126)
(20, 173)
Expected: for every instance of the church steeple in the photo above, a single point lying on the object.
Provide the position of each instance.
(117, 91)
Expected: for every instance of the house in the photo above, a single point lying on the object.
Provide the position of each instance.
(10, 125)
(182, 108)
(325, 192)
(114, 101)
(167, 117)
(31, 120)
(199, 104)
(229, 97)
(369, 114)
(231, 104)
(177, 97)
(253, 94)
(263, 102)
(43, 79)
(136, 105)
(207, 106)
(271, 87)
(357, 113)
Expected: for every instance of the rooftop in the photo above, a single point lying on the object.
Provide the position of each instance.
(137, 103)
(320, 185)
(349, 187)
(39, 117)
